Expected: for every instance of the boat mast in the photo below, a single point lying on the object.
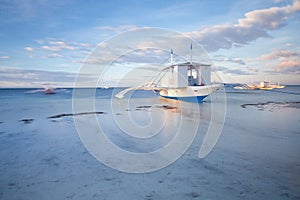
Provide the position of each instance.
(171, 59)
(191, 54)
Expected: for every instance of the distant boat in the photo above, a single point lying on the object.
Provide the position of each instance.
(264, 85)
(187, 81)
(48, 91)
(277, 86)
(105, 87)
(242, 87)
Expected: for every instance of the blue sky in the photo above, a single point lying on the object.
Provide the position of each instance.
(248, 41)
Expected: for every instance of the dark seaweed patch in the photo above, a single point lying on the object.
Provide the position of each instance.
(260, 106)
(74, 114)
(26, 121)
(166, 107)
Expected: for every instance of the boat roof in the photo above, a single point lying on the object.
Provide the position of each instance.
(193, 64)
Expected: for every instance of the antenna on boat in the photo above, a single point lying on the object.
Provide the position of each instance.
(191, 53)
(171, 60)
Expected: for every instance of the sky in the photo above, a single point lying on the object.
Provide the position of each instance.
(50, 41)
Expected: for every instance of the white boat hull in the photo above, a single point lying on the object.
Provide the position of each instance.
(189, 93)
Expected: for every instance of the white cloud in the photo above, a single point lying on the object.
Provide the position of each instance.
(252, 69)
(59, 46)
(14, 77)
(85, 45)
(56, 48)
(227, 70)
(285, 67)
(40, 41)
(54, 55)
(288, 66)
(283, 61)
(3, 55)
(279, 54)
(279, 1)
(254, 25)
(220, 58)
(29, 48)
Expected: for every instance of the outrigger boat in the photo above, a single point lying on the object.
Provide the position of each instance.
(47, 90)
(189, 81)
(264, 85)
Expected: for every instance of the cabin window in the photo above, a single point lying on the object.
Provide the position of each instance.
(194, 73)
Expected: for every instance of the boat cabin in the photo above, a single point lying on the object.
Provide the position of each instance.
(187, 74)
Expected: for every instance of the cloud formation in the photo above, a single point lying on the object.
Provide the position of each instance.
(14, 77)
(3, 55)
(279, 54)
(29, 48)
(254, 25)
(226, 70)
(59, 46)
(221, 58)
(288, 66)
(283, 61)
(54, 48)
(54, 55)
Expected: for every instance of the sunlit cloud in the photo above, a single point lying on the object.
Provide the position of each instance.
(3, 55)
(58, 46)
(14, 77)
(231, 71)
(54, 55)
(289, 66)
(283, 61)
(269, 19)
(220, 58)
(29, 48)
(279, 54)
(254, 25)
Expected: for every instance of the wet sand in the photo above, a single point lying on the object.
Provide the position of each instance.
(256, 157)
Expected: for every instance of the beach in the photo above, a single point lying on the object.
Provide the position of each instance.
(256, 156)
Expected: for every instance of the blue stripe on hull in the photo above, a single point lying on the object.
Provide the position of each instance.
(189, 99)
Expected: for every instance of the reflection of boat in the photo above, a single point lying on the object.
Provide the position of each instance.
(184, 81)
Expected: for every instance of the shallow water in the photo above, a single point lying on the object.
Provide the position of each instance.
(256, 157)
